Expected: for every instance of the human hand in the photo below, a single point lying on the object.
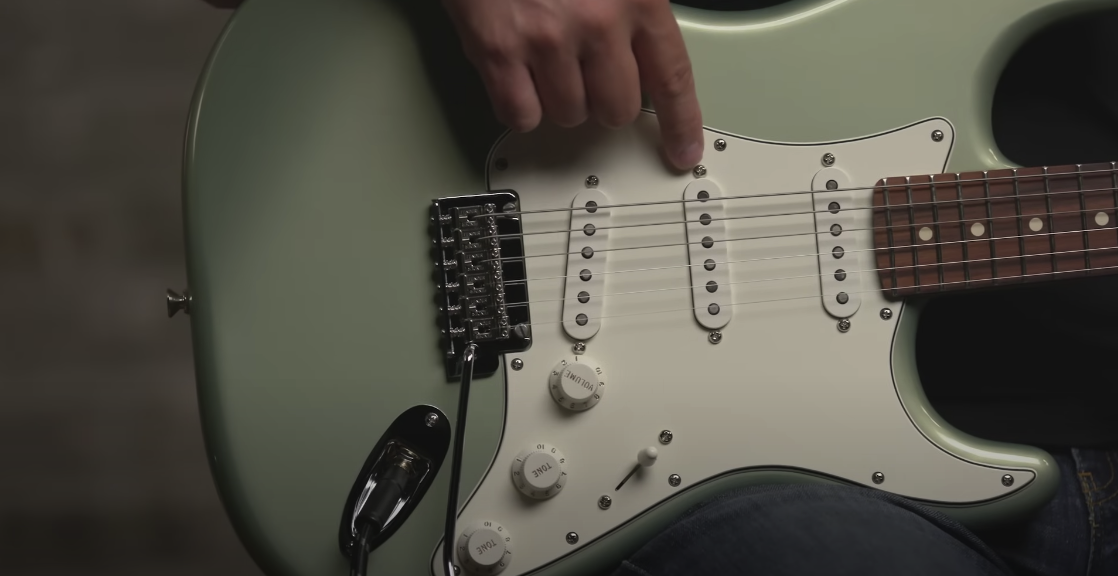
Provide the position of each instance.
(575, 60)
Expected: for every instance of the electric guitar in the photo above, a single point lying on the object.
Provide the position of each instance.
(373, 262)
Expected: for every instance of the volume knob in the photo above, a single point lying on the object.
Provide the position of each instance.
(485, 548)
(577, 383)
(539, 472)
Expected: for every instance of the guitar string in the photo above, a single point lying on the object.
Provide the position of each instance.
(890, 207)
(901, 247)
(931, 244)
(816, 296)
(956, 183)
(937, 266)
(519, 258)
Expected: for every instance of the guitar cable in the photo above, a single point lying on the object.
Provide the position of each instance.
(382, 501)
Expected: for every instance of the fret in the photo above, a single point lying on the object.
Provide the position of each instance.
(938, 233)
(912, 231)
(990, 226)
(963, 231)
(1005, 230)
(1020, 223)
(1083, 217)
(1051, 221)
(889, 231)
(1099, 216)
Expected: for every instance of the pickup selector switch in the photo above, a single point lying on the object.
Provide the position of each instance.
(485, 548)
(577, 383)
(540, 472)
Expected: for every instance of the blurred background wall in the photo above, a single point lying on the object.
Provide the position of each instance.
(102, 469)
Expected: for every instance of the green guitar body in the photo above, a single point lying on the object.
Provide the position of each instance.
(320, 133)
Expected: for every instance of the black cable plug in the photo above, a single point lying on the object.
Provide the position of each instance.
(383, 499)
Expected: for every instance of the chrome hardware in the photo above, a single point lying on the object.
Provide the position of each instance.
(579, 348)
(592, 181)
(480, 256)
(828, 159)
(699, 171)
(878, 477)
(886, 313)
(720, 144)
(431, 420)
(844, 325)
(517, 364)
(176, 302)
(509, 207)
(937, 135)
(666, 436)
(1007, 480)
(674, 480)
(572, 538)
(714, 337)
(605, 502)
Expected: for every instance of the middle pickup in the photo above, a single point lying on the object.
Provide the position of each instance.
(711, 293)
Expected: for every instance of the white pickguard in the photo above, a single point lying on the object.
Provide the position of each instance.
(783, 388)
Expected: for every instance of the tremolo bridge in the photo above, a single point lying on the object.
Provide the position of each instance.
(482, 278)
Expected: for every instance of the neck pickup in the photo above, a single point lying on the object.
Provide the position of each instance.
(990, 229)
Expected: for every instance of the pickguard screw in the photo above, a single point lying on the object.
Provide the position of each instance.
(432, 419)
(720, 144)
(844, 325)
(572, 538)
(457, 570)
(666, 436)
(674, 480)
(937, 135)
(591, 181)
(715, 337)
(509, 207)
(828, 159)
(579, 348)
(501, 164)
(886, 313)
(878, 477)
(604, 503)
(699, 171)
(1007, 480)
(517, 364)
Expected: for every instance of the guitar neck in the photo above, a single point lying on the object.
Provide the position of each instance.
(1004, 227)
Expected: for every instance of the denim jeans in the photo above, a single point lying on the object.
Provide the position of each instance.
(804, 530)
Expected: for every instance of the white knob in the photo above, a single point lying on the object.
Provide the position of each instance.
(539, 472)
(647, 457)
(485, 548)
(577, 383)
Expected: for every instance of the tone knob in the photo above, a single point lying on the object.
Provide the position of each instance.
(539, 472)
(485, 548)
(577, 383)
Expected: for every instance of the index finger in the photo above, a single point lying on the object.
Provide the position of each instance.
(667, 77)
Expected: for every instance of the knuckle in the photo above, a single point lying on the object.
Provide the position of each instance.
(599, 20)
(492, 51)
(546, 36)
(676, 82)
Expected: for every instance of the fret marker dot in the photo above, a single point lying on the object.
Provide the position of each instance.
(1101, 218)
(1035, 224)
(977, 229)
(925, 233)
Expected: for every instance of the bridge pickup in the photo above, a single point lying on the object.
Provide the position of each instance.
(711, 292)
(585, 285)
(481, 278)
(837, 241)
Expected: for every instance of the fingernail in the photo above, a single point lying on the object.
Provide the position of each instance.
(689, 154)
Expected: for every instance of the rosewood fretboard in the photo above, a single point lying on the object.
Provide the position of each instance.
(997, 228)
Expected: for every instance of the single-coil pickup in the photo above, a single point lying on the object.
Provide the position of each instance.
(711, 292)
(587, 255)
(839, 250)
